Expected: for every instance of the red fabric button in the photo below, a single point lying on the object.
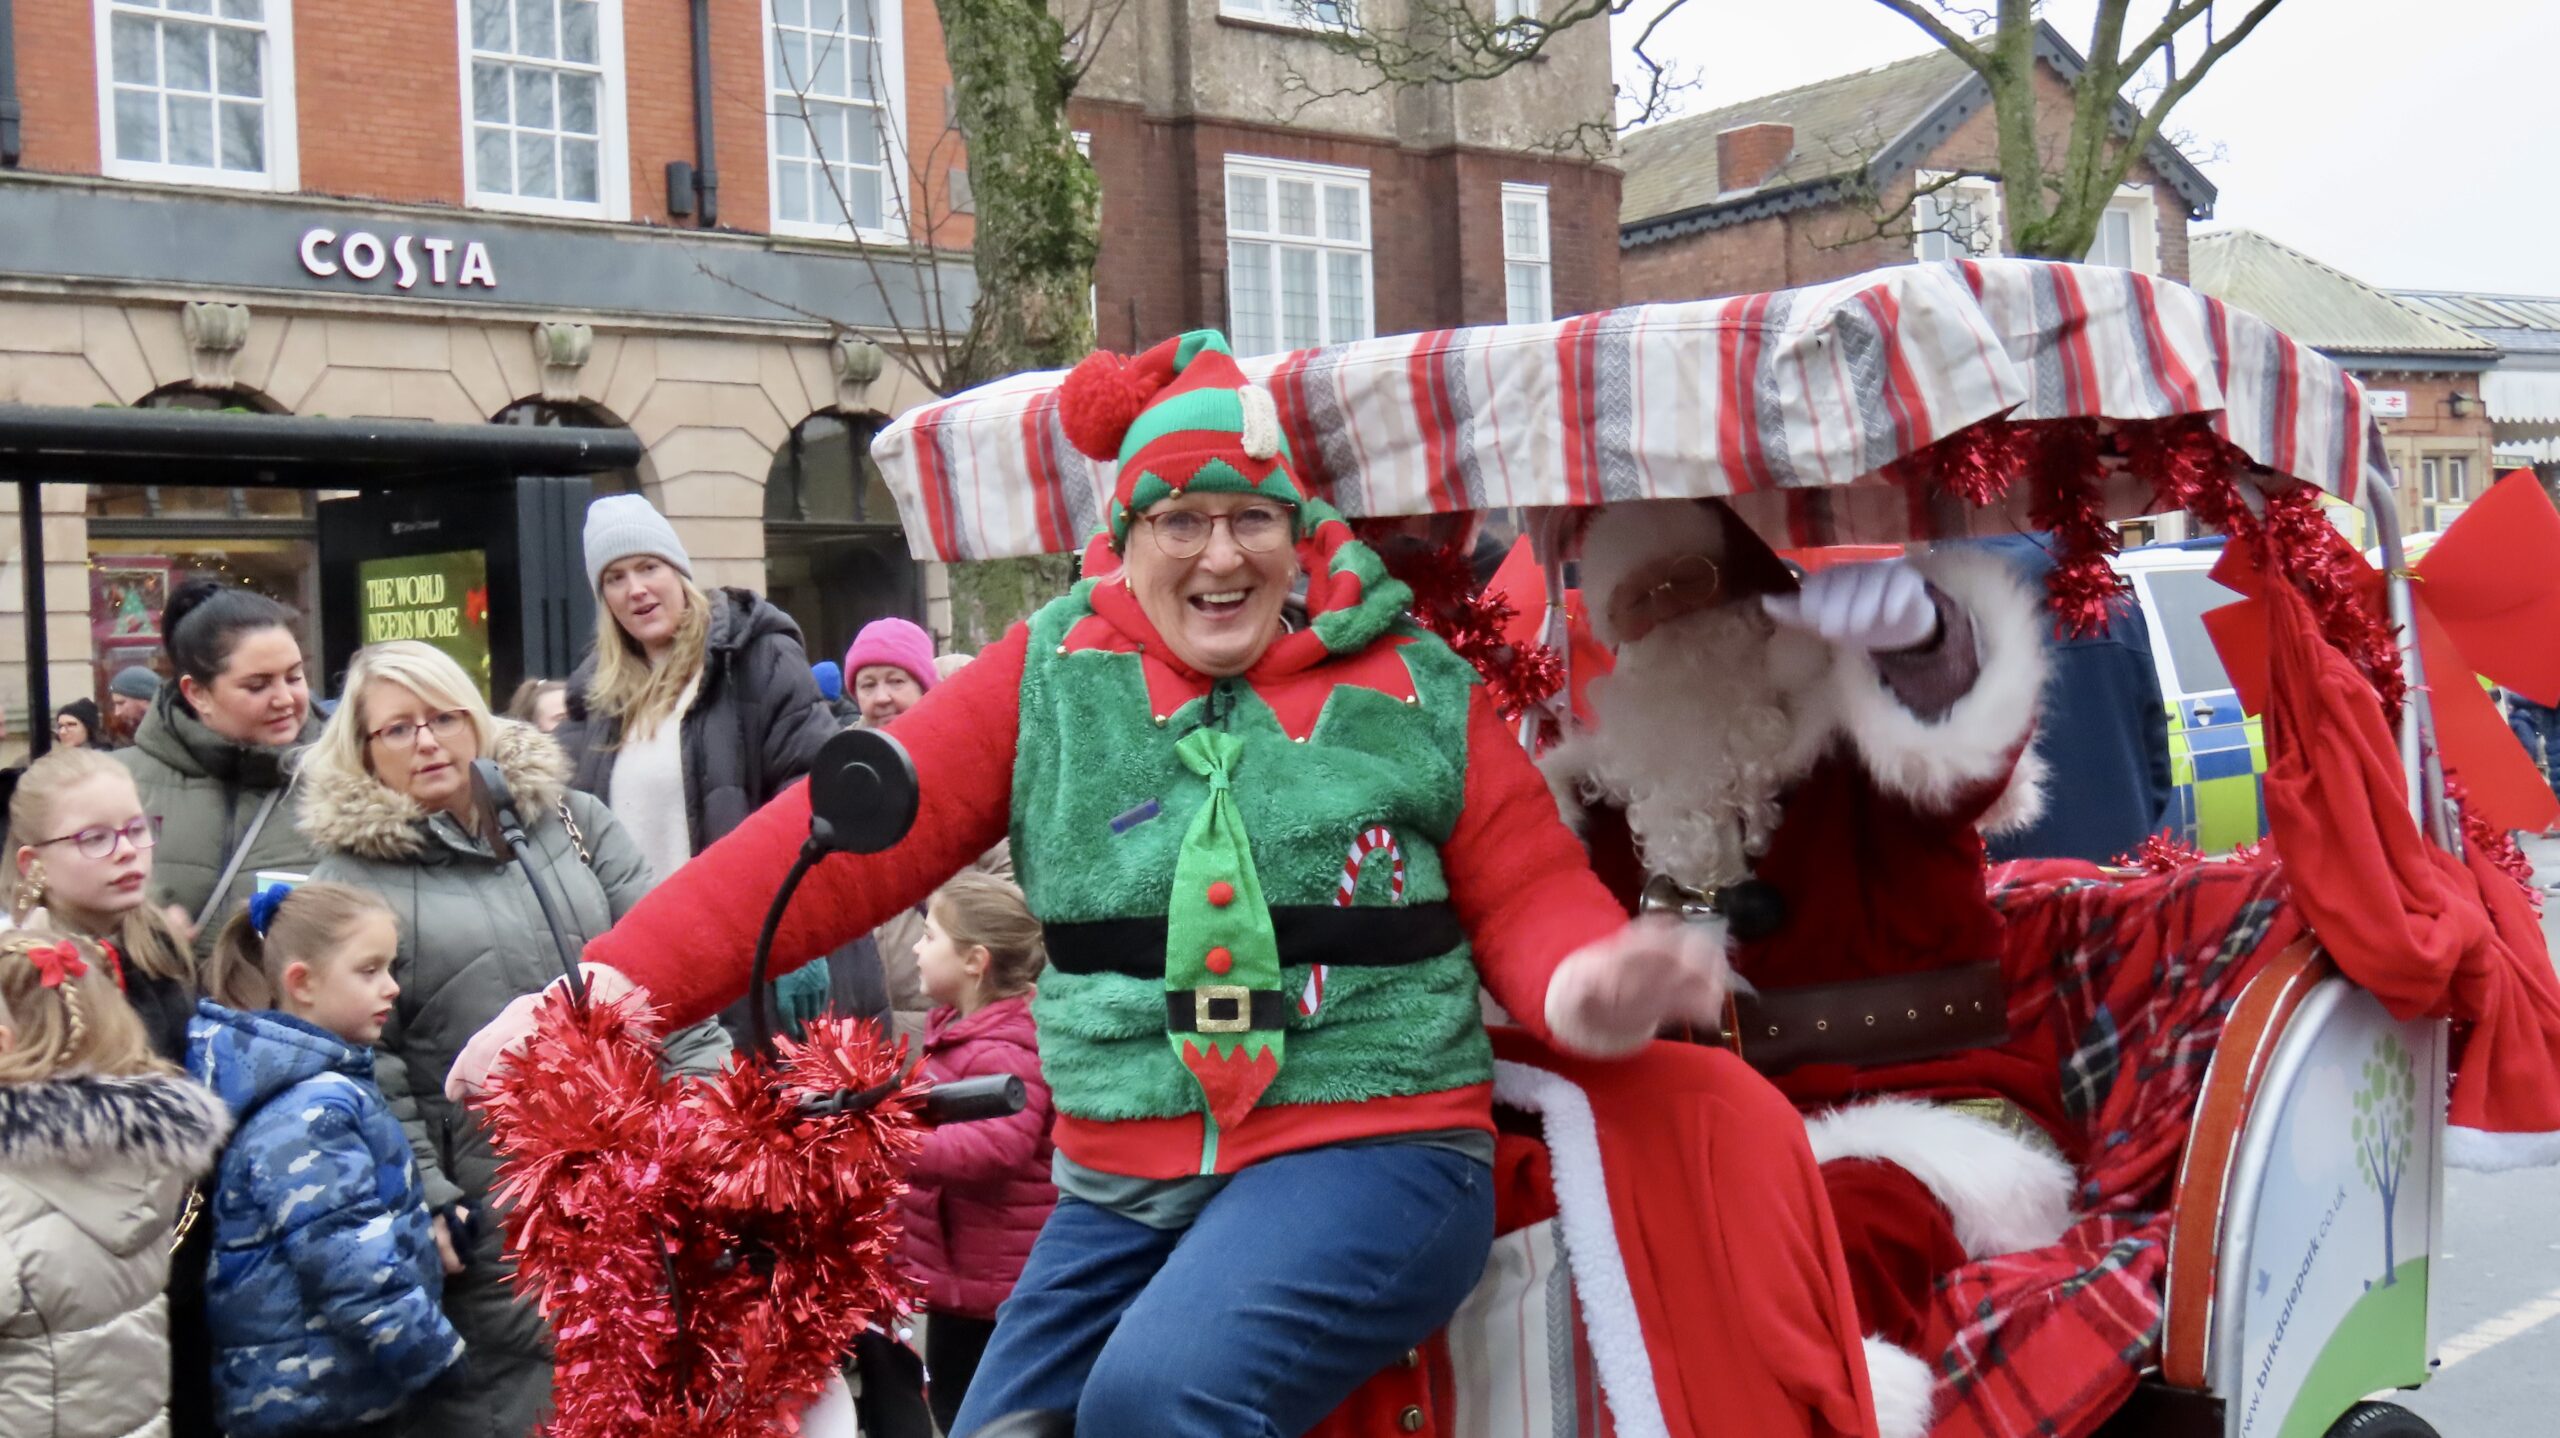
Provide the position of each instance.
(1220, 961)
(1221, 894)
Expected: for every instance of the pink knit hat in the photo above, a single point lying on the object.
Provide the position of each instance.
(893, 641)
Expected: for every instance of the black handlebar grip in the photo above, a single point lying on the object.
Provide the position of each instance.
(961, 1100)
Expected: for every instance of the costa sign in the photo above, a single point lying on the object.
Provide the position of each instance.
(408, 259)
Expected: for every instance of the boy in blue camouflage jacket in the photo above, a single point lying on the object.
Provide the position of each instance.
(327, 1269)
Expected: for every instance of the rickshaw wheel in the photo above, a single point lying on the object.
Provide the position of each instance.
(2381, 1420)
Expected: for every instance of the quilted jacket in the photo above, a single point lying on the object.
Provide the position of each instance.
(93, 1173)
(325, 1281)
(980, 1191)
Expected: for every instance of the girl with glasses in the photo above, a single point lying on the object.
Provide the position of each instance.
(84, 867)
(85, 854)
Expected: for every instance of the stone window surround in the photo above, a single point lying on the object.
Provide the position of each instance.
(283, 173)
(1298, 15)
(1272, 171)
(890, 82)
(1538, 265)
(613, 159)
(1982, 192)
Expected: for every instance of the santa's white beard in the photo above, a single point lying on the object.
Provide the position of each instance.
(1705, 721)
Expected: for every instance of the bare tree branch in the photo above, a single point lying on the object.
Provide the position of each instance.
(1926, 16)
(2148, 128)
(1087, 38)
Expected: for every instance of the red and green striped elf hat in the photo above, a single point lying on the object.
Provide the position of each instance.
(1183, 417)
(1179, 417)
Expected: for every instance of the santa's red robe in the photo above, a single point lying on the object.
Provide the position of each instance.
(1878, 859)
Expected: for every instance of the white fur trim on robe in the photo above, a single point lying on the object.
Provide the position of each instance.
(1933, 763)
(2006, 1195)
(1906, 1392)
(1583, 1216)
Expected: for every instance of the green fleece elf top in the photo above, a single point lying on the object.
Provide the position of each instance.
(1132, 789)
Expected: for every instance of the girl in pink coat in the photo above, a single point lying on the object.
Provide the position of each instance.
(980, 1191)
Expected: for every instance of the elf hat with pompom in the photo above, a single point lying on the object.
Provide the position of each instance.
(1179, 417)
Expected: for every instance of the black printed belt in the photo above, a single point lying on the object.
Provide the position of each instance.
(1309, 934)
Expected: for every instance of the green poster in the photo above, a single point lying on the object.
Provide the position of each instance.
(438, 599)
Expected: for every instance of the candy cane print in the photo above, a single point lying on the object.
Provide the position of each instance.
(1370, 841)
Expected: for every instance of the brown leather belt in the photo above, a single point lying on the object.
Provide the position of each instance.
(1865, 1022)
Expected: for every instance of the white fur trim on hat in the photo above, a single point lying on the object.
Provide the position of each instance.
(1261, 439)
(2005, 1193)
(1931, 762)
(622, 525)
(1905, 1392)
(2480, 1150)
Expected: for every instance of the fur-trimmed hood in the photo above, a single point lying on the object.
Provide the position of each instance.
(354, 813)
(82, 1121)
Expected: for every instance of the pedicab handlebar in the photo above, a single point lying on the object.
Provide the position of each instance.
(863, 798)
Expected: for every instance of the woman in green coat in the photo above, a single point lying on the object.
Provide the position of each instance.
(213, 755)
(388, 801)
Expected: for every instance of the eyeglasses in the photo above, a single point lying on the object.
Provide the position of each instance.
(1256, 529)
(98, 841)
(403, 733)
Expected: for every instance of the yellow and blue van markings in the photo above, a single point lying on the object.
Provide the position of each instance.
(2217, 771)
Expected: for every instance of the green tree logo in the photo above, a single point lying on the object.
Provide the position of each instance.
(2385, 1131)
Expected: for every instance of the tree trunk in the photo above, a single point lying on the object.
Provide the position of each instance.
(1038, 215)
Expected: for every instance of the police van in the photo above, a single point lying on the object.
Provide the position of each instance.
(2217, 754)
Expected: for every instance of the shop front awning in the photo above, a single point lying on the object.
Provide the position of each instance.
(229, 448)
(2523, 404)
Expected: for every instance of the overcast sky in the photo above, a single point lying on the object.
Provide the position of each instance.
(2411, 145)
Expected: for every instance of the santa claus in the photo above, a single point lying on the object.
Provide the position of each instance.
(1809, 766)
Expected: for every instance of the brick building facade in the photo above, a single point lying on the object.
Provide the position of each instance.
(278, 205)
(1211, 94)
(2423, 376)
(1819, 182)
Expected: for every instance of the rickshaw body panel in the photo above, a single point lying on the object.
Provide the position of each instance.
(2309, 1208)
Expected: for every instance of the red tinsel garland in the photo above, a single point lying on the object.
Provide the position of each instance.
(2069, 501)
(705, 1253)
(2161, 853)
(1975, 464)
(1446, 600)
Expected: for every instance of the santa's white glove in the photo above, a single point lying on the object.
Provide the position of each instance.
(508, 1032)
(1610, 998)
(1882, 605)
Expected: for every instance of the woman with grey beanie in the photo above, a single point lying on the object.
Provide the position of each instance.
(691, 710)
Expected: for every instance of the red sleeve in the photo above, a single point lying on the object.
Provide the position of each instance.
(1520, 882)
(957, 1155)
(691, 942)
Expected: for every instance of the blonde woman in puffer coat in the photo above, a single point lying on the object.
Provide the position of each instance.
(100, 1141)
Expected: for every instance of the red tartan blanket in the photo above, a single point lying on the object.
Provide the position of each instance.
(2140, 976)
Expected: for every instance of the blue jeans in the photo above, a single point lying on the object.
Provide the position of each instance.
(1306, 1275)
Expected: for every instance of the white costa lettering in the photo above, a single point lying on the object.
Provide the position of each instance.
(362, 254)
(313, 242)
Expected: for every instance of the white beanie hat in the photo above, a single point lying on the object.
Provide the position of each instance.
(622, 525)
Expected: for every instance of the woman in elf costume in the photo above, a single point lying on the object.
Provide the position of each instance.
(1272, 1081)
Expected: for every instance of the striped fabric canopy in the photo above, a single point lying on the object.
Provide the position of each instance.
(1787, 404)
